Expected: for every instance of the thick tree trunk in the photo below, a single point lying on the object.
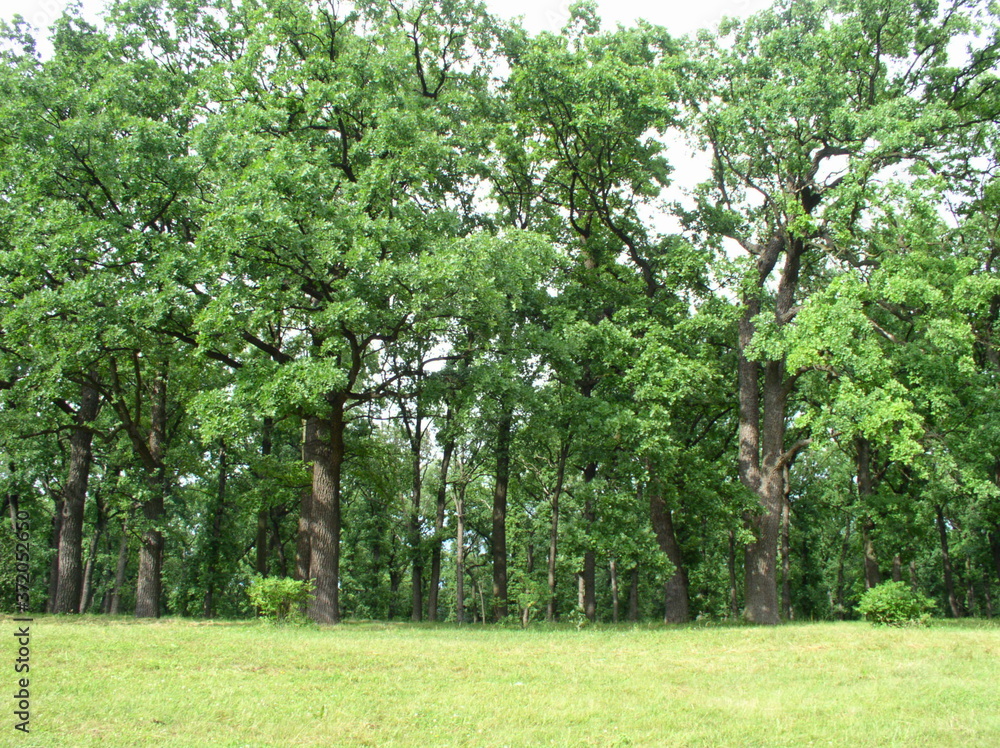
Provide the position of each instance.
(550, 608)
(149, 585)
(499, 537)
(442, 499)
(324, 541)
(949, 579)
(786, 561)
(589, 556)
(70, 566)
(675, 590)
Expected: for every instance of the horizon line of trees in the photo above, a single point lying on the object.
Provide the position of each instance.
(374, 294)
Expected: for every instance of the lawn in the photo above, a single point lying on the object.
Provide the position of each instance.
(120, 682)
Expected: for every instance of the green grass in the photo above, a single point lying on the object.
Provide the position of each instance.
(100, 682)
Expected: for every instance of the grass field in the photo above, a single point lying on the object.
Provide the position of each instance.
(120, 682)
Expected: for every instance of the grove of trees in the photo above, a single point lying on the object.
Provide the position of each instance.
(397, 297)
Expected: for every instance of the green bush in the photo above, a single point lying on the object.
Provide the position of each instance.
(280, 598)
(895, 604)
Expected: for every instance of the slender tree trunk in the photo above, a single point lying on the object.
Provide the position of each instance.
(88, 570)
(413, 523)
(263, 514)
(442, 499)
(675, 590)
(913, 575)
(840, 608)
(863, 460)
(303, 555)
(897, 569)
(215, 536)
(633, 595)
(149, 586)
(550, 608)
(116, 592)
(734, 593)
(56, 532)
(995, 549)
(581, 591)
(460, 554)
(589, 556)
(949, 580)
(499, 537)
(614, 591)
(970, 588)
(70, 565)
(324, 540)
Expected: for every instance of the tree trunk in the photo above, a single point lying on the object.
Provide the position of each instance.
(897, 569)
(863, 459)
(413, 523)
(550, 608)
(786, 562)
(263, 515)
(734, 593)
(840, 609)
(949, 580)
(54, 535)
(460, 554)
(442, 498)
(589, 556)
(149, 585)
(633, 595)
(116, 592)
(215, 536)
(327, 451)
(675, 590)
(70, 565)
(302, 543)
(995, 548)
(614, 591)
(88, 570)
(499, 537)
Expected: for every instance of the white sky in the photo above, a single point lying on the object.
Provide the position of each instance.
(678, 16)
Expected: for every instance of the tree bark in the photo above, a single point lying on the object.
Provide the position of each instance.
(589, 556)
(614, 590)
(734, 596)
(897, 569)
(675, 589)
(263, 515)
(327, 451)
(302, 544)
(70, 566)
(215, 536)
(550, 608)
(499, 537)
(460, 554)
(633, 595)
(786, 562)
(995, 549)
(149, 586)
(949, 580)
(442, 499)
(863, 459)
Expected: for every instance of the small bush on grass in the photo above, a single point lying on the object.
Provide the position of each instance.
(280, 599)
(895, 604)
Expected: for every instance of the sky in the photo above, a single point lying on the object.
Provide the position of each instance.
(678, 16)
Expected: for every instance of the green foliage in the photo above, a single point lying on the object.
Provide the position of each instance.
(280, 598)
(895, 604)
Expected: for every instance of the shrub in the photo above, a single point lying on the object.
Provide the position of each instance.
(280, 598)
(895, 604)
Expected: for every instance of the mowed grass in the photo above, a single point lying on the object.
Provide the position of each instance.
(100, 682)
